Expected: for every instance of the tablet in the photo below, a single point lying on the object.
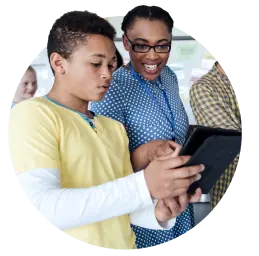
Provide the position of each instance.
(215, 149)
(200, 134)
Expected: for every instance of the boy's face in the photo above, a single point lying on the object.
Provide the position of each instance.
(88, 71)
(27, 86)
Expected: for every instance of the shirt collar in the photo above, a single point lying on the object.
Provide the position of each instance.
(215, 71)
(157, 82)
(59, 104)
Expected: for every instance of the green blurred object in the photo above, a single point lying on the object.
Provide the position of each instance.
(186, 51)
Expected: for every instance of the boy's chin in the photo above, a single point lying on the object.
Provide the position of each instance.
(98, 97)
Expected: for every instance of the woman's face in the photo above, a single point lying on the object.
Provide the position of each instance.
(147, 32)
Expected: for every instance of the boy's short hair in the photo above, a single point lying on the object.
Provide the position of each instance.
(72, 28)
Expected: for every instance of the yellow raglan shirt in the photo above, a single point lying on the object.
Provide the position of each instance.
(45, 135)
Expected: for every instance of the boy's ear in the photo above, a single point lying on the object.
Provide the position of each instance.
(57, 62)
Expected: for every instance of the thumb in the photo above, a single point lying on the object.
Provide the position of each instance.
(176, 147)
(196, 197)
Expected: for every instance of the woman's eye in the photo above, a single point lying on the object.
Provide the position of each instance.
(142, 46)
(162, 46)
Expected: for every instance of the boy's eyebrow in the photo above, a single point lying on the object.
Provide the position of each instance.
(99, 55)
(103, 56)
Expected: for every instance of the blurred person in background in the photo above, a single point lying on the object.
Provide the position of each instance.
(214, 104)
(26, 86)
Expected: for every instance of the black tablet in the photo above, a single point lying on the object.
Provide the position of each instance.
(200, 134)
(216, 149)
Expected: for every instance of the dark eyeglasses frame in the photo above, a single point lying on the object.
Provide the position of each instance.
(150, 47)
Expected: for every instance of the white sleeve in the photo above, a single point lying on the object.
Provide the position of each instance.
(73, 207)
(146, 218)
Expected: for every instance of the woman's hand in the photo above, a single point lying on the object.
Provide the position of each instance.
(152, 150)
(160, 148)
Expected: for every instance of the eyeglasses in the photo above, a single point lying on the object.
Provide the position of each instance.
(144, 48)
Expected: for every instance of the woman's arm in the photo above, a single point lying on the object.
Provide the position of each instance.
(145, 153)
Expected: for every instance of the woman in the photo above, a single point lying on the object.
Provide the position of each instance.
(144, 97)
(27, 86)
(75, 165)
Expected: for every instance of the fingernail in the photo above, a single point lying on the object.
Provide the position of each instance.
(202, 167)
(198, 177)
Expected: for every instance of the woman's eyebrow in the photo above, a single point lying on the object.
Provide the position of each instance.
(146, 41)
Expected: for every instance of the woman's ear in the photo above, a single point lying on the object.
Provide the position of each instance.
(125, 43)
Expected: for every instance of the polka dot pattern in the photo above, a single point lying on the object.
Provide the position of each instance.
(127, 102)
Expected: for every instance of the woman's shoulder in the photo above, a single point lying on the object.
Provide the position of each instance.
(122, 75)
(122, 80)
(167, 71)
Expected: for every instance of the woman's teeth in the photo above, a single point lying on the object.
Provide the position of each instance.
(150, 67)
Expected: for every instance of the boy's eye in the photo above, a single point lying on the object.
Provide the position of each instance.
(96, 64)
(110, 66)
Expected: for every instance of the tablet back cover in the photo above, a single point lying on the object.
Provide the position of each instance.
(216, 153)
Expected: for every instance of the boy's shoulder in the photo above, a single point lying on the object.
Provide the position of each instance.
(110, 123)
(35, 107)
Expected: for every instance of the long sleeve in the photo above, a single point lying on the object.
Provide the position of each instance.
(68, 208)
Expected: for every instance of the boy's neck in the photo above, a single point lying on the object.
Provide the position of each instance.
(69, 101)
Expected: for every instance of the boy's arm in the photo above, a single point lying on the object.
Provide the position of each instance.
(35, 154)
